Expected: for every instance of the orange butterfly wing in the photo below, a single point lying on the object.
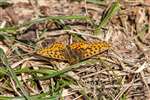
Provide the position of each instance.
(85, 50)
(54, 51)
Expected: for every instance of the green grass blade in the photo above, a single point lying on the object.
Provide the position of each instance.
(143, 30)
(14, 29)
(99, 2)
(55, 18)
(107, 16)
(69, 68)
(12, 73)
(9, 29)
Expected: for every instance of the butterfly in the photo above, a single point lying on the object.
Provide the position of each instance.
(75, 52)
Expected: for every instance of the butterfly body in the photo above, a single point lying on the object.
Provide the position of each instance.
(74, 52)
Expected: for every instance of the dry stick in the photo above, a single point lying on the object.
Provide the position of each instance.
(123, 90)
(144, 81)
(84, 34)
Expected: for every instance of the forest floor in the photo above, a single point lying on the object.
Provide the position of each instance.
(74, 49)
